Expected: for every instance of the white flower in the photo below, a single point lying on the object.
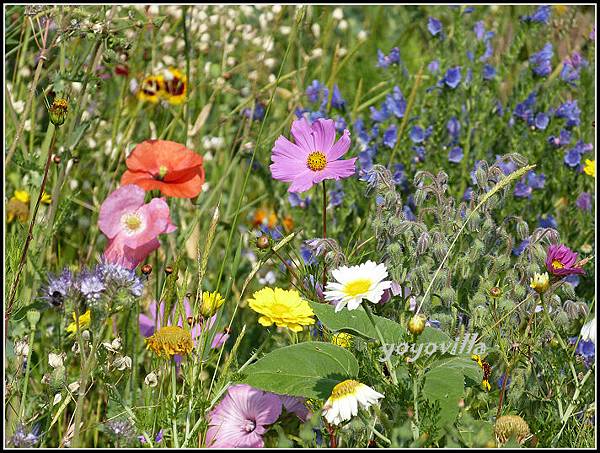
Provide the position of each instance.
(151, 380)
(343, 404)
(56, 360)
(57, 399)
(365, 281)
(338, 14)
(22, 348)
(588, 331)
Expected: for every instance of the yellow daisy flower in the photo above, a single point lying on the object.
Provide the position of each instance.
(284, 308)
(46, 198)
(22, 196)
(169, 341)
(84, 322)
(590, 168)
(342, 339)
(487, 371)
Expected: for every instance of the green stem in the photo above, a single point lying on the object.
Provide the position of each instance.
(388, 362)
(27, 369)
(174, 400)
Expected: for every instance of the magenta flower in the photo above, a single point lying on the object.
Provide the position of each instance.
(240, 419)
(314, 157)
(131, 226)
(561, 261)
(295, 405)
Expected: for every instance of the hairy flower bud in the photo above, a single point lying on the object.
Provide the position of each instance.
(575, 310)
(423, 243)
(416, 325)
(522, 230)
(58, 111)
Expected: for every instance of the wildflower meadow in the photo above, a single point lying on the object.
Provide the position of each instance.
(299, 226)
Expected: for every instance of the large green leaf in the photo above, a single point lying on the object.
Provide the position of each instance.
(357, 322)
(466, 366)
(446, 386)
(309, 369)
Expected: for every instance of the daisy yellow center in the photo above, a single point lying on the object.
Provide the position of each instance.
(344, 389)
(170, 340)
(132, 223)
(316, 161)
(557, 264)
(357, 287)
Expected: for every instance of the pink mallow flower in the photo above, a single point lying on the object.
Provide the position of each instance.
(131, 226)
(314, 157)
(241, 418)
(561, 261)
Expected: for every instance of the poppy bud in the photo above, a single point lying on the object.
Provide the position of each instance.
(56, 159)
(146, 269)
(416, 325)
(263, 242)
(168, 270)
(495, 292)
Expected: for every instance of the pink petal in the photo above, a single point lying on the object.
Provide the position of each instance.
(118, 252)
(324, 133)
(340, 148)
(302, 182)
(286, 171)
(125, 199)
(303, 136)
(284, 148)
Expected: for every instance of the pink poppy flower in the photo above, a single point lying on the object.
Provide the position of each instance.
(131, 226)
(314, 157)
(240, 419)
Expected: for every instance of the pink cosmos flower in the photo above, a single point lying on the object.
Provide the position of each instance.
(314, 157)
(240, 419)
(131, 226)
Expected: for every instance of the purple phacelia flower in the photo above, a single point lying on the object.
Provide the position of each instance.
(58, 288)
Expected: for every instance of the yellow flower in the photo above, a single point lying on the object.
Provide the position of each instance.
(487, 371)
(559, 9)
(590, 168)
(151, 89)
(169, 341)
(18, 209)
(22, 196)
(540, 282)
(211, 302)
(342, 339)
(46, 199)
(174, 86)
(285, 308)
(84, 322)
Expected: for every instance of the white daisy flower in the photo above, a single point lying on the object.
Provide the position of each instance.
(588, 331)
(343, 404)
(365, 281)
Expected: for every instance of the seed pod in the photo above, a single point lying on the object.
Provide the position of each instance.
(509, 426)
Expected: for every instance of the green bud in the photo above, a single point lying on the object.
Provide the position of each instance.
(33, 316)
(522, 230)
(58, 111)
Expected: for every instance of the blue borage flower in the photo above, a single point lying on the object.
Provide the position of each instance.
(541, 61)
(540, 15)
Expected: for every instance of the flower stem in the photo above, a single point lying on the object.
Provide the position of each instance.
(388, 362)
(27, 369)
(174, 398)
(324, 232)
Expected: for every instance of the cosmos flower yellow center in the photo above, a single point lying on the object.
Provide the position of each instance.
(132, 223)
(344, 389)
(356, 287)
(316, 161)
(557, 264)
(170, 340)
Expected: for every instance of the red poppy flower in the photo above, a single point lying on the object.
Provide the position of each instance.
(167, 166)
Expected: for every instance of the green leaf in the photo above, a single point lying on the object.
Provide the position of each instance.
(357, 322)
(309, 369)
(467, 367)
(446, 386)
(433, 335)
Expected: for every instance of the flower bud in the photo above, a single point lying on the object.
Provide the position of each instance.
(540, 282)
(211, 302)
(263, 242)
(522, 230)
(423, 243)
(58, 111)
(416, 325)
(146, 269)
(33, 316)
